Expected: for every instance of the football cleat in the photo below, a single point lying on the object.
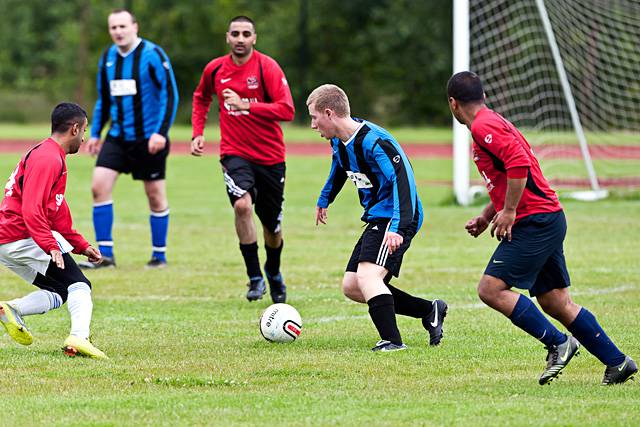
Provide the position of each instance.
(14, 325)
(384, 345)
(558, 358)
(156, 263)
(433, 322)
(621, 373)
(107, 262)
(257, 289)
(277, 288)
(74, 346)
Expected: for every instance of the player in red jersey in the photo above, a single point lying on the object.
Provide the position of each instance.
(36, 236)
(529, 222)
(254, 97)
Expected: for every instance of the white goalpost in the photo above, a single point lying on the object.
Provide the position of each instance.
(567, 73)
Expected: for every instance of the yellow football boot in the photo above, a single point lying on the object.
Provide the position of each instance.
(14, 325)
(74, 346)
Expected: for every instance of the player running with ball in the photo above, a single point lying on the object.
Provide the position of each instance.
(375, 162)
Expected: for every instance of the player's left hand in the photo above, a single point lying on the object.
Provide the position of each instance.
(56, 257)
(93, 255)
(392, 240)
(502, 223)
(234, 101)
(157, 143)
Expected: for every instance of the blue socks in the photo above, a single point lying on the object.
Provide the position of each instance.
(102, 225)
(159, 222)
(591, 335)
(527, 317)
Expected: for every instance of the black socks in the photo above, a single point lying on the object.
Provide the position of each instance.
(381, 310)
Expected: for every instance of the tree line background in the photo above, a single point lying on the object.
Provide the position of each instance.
(393, 57)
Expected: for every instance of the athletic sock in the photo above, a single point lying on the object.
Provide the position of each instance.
(408, 305)
(272, 265)
(384, 318)
(527, 317)
(251, 261)
(159, 222)
(38, 302)
(103, 224)
(591, 335)
(80, 308)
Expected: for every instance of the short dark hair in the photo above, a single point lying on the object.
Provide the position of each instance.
(121, 10)
(243, 18)
(65, 115)
(465, 87)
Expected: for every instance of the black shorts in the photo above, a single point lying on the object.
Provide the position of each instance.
(133, 157)
(534, 258)
(370, 249)
(265, 184)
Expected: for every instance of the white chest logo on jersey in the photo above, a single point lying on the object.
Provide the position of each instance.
(59, 199)
(488, 139)
(359, 179)
(396, 159)
(223, 81)
(252, 82)
(165, 64)
(123, 87)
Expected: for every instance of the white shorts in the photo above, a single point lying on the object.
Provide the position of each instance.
(26, 259)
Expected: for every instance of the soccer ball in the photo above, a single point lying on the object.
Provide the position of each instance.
(280, 323)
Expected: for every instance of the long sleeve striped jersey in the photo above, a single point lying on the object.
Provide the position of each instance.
(382, 174)
(137, 92)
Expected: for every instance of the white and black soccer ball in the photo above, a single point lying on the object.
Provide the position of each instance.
(280, 323)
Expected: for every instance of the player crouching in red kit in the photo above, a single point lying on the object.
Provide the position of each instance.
(36, 236)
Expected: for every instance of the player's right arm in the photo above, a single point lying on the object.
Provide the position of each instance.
(201, 103)
(333, 185)
(102, 109)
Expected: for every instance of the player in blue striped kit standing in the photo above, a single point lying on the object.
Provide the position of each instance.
(369, 156)
(137, 92)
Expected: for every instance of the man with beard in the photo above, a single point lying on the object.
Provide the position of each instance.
(254, 97)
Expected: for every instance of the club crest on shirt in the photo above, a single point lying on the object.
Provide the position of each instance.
(252, 82)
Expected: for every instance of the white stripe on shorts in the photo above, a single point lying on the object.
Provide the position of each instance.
(232, 187)
(383, 252)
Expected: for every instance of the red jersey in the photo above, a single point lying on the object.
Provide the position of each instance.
(497, 147)
(34, 203)
(254, 135)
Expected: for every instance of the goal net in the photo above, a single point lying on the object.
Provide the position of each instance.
(567, 73)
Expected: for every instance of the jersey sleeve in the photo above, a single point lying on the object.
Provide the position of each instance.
(277, 88)
(335, 182)
(202, 98)
(62, 225)
(496, 138)
(39, 177)
(101, 111)
(168, 90)
(392, 166)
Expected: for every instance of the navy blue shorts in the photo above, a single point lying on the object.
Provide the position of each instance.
(534, 258)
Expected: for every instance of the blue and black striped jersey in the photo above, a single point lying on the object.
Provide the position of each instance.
(137, 92)
(381, 171)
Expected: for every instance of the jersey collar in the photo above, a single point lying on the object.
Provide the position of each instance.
(351, 138)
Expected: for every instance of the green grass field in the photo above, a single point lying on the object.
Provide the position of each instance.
(185, 347)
